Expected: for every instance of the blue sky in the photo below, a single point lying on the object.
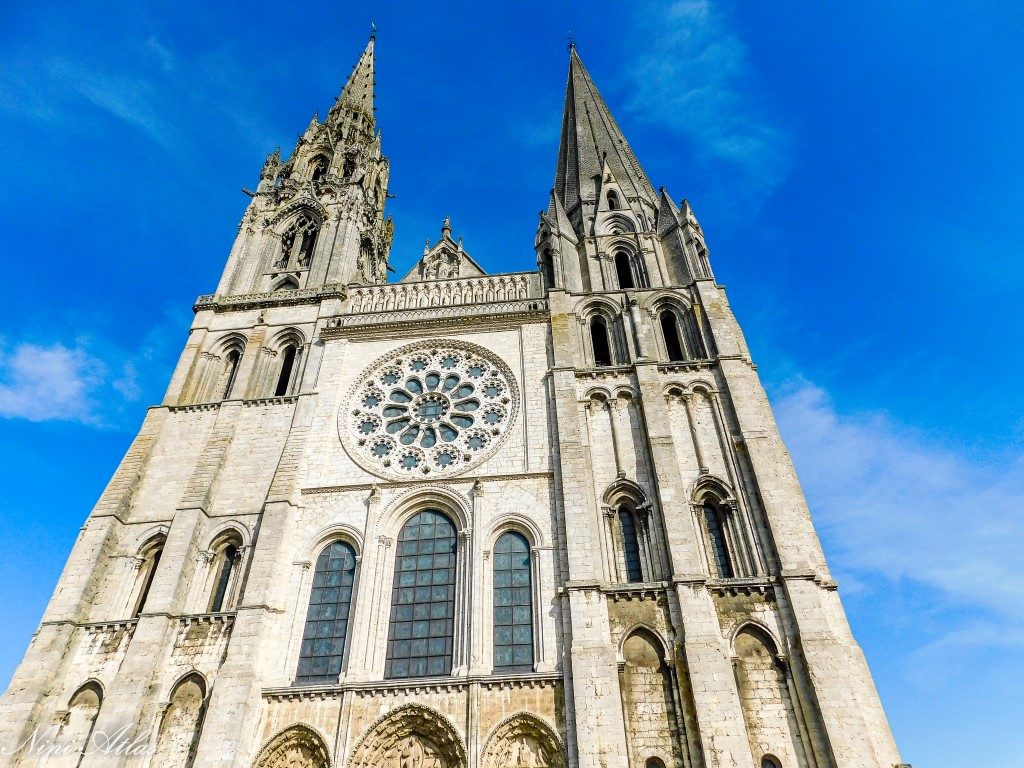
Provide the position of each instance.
(856, 167)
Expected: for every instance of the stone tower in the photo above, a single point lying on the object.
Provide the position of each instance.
(533, 520)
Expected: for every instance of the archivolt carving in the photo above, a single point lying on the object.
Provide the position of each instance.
(297, 747)
(410, 736)
(522, 741)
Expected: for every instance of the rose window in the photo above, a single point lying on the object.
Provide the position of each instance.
(429, 410)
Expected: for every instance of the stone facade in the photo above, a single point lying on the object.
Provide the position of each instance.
(304, 558)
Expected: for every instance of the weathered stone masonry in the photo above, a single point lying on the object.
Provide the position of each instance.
(540, 519)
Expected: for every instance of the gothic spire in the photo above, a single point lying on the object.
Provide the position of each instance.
(355, 104)
(591, 137)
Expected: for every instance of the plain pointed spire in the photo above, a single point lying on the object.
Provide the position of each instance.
(356, 102)
(590, 137)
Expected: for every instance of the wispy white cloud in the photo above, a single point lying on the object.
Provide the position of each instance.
(133, 100)
(88, 381)
(164, 54)
(50, 383)
(692, 77)
(149, 88)
(896, 505)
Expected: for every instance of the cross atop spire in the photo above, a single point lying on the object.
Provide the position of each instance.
(591, 137)
(355, 105)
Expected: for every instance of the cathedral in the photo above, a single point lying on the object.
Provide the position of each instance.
(535, 519)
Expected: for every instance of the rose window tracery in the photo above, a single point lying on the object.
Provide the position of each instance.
(430, 409)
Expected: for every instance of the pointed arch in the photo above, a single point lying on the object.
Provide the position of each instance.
(421, 629)
(324, 637)
(318, 167)
(83, 709)
(297, 746)
(522, 739)
(181, 723)
(513, 609)
(773, 725)
(287, 283)
(647, 687)
(411, 731)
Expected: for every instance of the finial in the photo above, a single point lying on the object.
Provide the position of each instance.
(446, 227)
(572, 42)
(373, 31)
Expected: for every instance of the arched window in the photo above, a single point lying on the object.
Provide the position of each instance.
(230, 372)
(653, 762)
(600, 342)
(513, 603)
(150, 563)
(630, 544)
(769, 761)
(320, 166)
(226, 563)
(298, 241)
(670, 332)
(716, 521)
(323, 640)
(181, 725)
(349, 167)
(613, 200)
(623, 270)
(284, 379)
(547, 268)
(421, 633)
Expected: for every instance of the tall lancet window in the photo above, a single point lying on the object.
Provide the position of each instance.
(600, 342)
(231, 361)
(630, 544)
(716, 520)
(323, 641)
(298, 242)
(547, 268)
(151, 561)
(513, 603)
(623, 270)
(613, 200)
(422, 629)
(225, 568)
(670, 332)
(284, 379)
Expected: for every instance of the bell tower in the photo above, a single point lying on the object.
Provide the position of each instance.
(317, 218)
